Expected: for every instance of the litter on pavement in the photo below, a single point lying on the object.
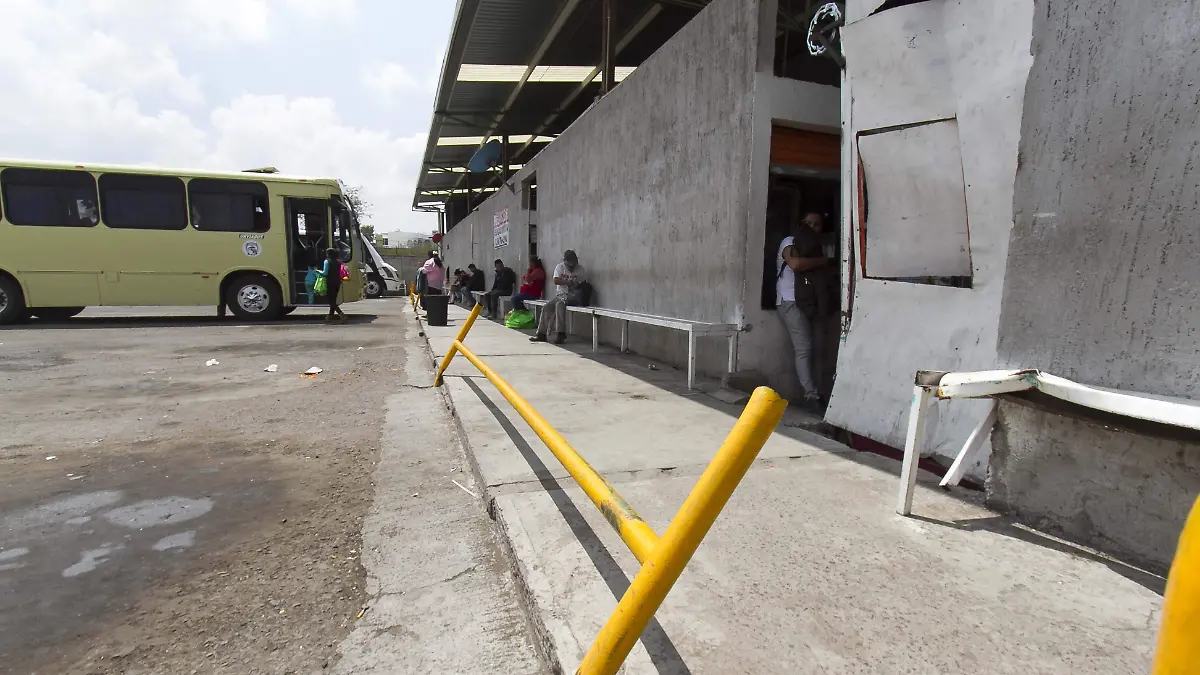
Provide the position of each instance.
(271, 368)
(212, 362)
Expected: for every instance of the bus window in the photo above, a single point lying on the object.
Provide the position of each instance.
(49, 197)
(135, 202)
(341, 233)
(229, 205)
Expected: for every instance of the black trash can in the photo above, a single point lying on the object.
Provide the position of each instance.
(435, 309)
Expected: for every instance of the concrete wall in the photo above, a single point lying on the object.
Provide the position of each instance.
(406, 265)
(472, 240)
(661, 188)
(652, 187)
(1121, 492)
(1103, 285)
(965, 63)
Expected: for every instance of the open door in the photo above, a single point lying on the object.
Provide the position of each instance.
(308, 238)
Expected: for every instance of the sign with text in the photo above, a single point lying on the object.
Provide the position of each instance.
(500, 229)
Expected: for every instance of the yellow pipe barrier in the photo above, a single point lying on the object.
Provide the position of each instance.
(1178, 650)
(462, 334)
(662, 560)
(684, 534)
(634, 531)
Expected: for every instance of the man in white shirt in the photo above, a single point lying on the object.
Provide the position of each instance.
(569, 277)
(796, 298)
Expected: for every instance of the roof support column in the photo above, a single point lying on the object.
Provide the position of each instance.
(608, 59)
(504, 171)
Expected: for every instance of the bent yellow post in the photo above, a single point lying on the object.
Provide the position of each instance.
(683, 536)
(1178, 650)
(462, 334)
(634, 531)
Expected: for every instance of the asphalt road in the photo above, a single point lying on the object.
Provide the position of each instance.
(164, 515)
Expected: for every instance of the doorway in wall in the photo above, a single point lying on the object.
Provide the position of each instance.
(805, 179)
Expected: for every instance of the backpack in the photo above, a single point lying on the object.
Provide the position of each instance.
(580, 296)
(343, 272)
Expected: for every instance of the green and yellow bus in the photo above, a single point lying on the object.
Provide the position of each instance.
(79, 235)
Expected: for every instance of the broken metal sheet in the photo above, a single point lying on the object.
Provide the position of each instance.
(857, 10)
(916, 206)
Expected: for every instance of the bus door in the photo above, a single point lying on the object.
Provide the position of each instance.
(308, 238)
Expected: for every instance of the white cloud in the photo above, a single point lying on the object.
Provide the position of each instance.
(99, 81)
(307, 136)
(389, 80)
(324, 10)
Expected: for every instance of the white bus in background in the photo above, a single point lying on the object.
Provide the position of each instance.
(379, 277)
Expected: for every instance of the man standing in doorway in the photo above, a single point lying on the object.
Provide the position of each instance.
(797, 298)
(503, 286)
(569, 279)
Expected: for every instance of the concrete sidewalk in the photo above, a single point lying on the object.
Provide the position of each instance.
(808, 570)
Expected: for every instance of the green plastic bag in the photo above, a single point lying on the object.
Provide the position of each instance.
(321, 286)
(520, 318)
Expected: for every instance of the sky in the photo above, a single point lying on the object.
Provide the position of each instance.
(330, 88)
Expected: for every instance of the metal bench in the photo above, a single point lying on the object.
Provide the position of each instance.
(694, 329)
(503, 304)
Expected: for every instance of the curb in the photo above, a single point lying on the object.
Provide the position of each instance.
(544, 641)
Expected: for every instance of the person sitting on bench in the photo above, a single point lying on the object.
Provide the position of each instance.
(569, 281)
(478, 281)
(503, 286)
(459, 288)
(532, 284)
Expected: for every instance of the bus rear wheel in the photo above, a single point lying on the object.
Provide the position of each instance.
(254, 297)
(12, 302)
(55, 313)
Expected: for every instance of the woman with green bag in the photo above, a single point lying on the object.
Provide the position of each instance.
(330, 283)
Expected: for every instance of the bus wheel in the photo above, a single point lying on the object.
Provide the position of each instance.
(373, 287)
(55, 313)
(254, 297)
(12, 302)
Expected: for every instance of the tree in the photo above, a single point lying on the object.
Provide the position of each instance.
(367, 232)
(362, 208)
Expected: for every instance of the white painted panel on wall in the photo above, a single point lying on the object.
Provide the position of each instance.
(897, 63)
(900, 328)
(916, 207)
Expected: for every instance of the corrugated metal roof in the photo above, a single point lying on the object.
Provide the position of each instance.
(514, 33)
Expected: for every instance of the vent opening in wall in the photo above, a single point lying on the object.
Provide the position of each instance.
(915, 228)
(793, 59)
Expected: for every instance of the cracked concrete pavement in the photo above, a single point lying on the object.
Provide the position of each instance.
(442, 600)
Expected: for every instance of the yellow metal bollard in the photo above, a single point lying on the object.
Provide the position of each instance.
(684, 534)
(637, 535)
(1179, 635)
(462, 334)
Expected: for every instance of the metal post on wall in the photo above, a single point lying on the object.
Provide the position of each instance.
(608, 59)
(504, 171)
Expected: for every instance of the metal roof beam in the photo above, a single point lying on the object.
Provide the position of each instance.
(629, 36)
(556, 27)
(464, 16)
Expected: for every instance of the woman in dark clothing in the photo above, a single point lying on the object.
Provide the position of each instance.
(531, 284)
(332, 271)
